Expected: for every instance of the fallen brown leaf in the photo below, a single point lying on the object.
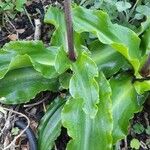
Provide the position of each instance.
(13, 37)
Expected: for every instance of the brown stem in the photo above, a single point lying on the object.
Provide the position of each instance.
(69, 26)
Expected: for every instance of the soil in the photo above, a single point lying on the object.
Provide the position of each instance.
(22, 27)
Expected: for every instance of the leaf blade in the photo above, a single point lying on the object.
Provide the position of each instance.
(21, 85)
(125, 102)
(119, 37)
(41, 58)
(82, 128)
(50, 125)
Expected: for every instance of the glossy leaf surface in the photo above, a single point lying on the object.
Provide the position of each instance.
(118, 37)
(145, 43)
(142, 87)
(55, 16)
(89, 133)
(50, 125)
(83, 85)
(62, 62)
(21, 85)
(125, 102)
(144, 26)
(107, 59)
(28, 53)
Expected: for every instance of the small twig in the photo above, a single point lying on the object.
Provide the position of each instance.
(125, 143)
(55, 147)
(11, 24)
(3, 39)
(6, 141)
(22, 132)
(37, 33)
(132, 10)
(143, 145)
(146, 119)
(44, 107)
(28, 16)
(7, 123)
(37, 103)
(69, 26)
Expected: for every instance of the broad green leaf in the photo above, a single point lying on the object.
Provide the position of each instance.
(144, 26)
(145, 46)
(107, 59)
(125, 102)
(89, 133)
(64, 80)
(122, 39)
(5, 59)
(19, 4)
(55, 16)
(21, 85)
(83, 85)
(50, 125)
(19, 54)
(143, 9)
(62, 62)
(142, 87)
(99, 24)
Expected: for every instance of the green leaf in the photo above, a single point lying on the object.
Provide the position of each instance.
(118, 37)
(139, 16)
(64, 80)
(125, 102)
(142, 87)
(135, 144)
(19, 4)
(115, 35)
(145, 43)
(50, 125)
(107, 59)
(62, 62)
(20, 54)
(15, 131)
(148, 130)
(138, 128)
(55, 16)
(83, 85)
(122, 6)
(144, 26)
(89, 133)
(21, 85)
(143, 9)
(6, 6)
